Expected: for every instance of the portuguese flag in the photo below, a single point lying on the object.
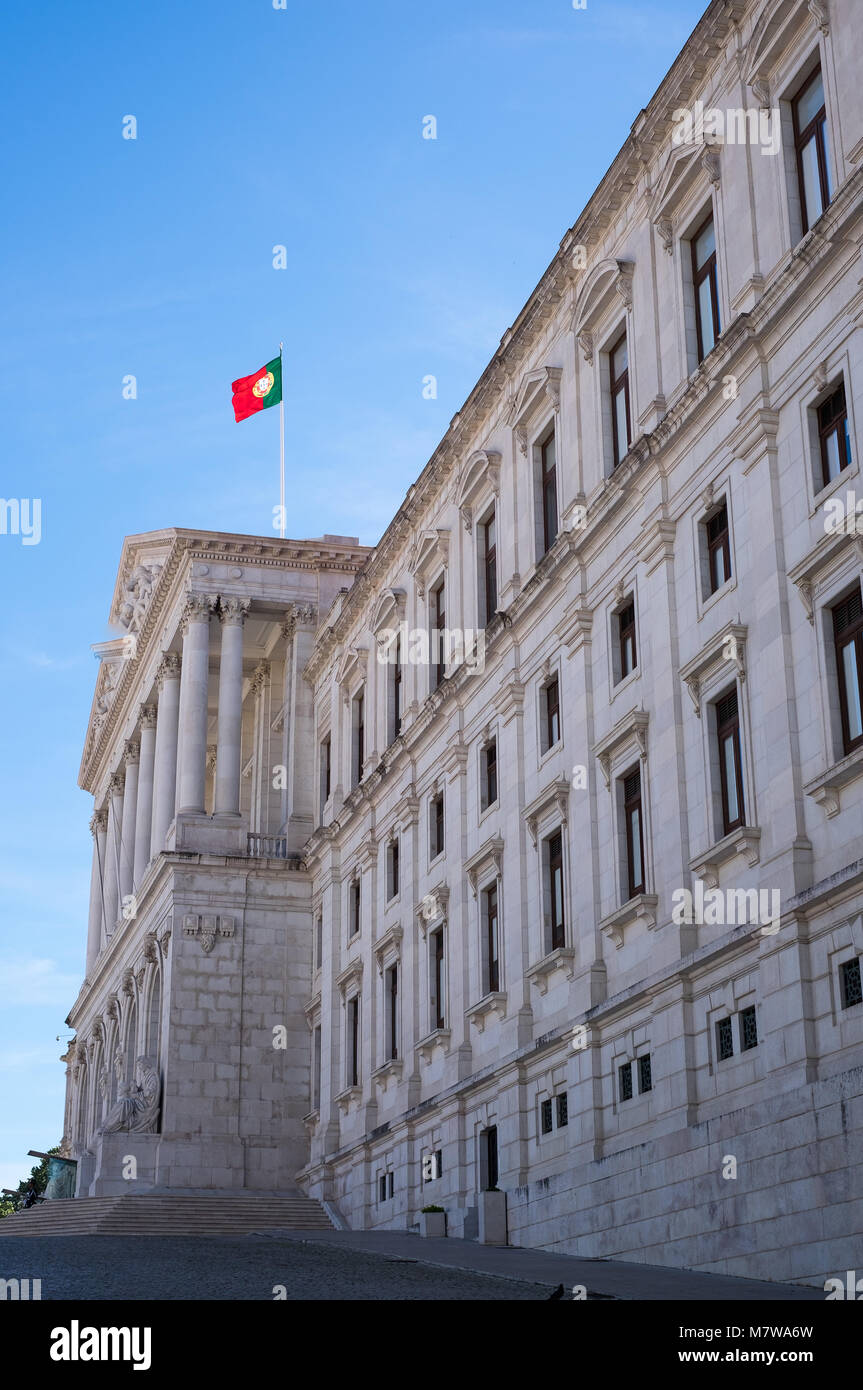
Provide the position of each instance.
(258, 391)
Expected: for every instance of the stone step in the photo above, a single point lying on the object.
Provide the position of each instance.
(168, 1214)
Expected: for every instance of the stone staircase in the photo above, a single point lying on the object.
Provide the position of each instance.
(170, 1214)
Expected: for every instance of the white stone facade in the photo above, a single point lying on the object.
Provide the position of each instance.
(438, 1009)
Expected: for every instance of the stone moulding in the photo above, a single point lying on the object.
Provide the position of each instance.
(745, 842)
(640, 909)
(479, 1013)
(561, 959)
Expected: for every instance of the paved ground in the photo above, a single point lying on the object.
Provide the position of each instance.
(351, 1265)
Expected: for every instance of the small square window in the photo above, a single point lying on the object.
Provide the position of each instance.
(724, 1039)
(624, 1081)
(546, 1116)
(850, 983)
(645, 1078)
(562, 1110)
(748, 1029)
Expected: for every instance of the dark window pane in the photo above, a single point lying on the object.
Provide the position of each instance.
(645, 1079)
(545, 1116)
(748, 1029)
(724, 1039)
(850, 983)
(562, 1110)
(624, 1081)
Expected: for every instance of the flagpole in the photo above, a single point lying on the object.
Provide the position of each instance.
(282, 447)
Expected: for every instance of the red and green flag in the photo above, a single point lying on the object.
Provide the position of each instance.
(258, 391)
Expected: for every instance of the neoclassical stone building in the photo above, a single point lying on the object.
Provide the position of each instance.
(572, 908)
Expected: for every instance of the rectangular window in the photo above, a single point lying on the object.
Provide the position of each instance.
(562, 1110)
(834, 439)
(354, 906)
(645, 1078)
(488, 790)
(730, 764)
(437, 613)
(397, 689)
(436, 827)
(548, 492)
(316, 1070)
(724, 1040)
(392, 869)
(555, 890)
(624, 1081)
(545, 1117)
(848, 638)
(358, 709)
(748, 1029)
(354, 1041)
(550, 714)
(325, 772)
(626, 640)
(705, 287)
(385, 1187)
(810, 143)
(319, 943)
(850, 984)
(621, 427)
(438, 979)
(634, 833)
(488, 544)
(718, 549)
(492, 944)
(392, 1012)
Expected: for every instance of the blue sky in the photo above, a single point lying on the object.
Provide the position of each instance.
(153, 257)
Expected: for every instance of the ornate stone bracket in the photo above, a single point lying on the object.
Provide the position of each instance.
(207, 929)
(554, 799)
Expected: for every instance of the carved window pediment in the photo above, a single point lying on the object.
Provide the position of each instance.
(541, 385)
(687, 168)
(608, 283)
(724, 655)
(488, 857)
(627, 738)
(481, 475)
(552, 803)
(430, 554)
(353, 666)
(772, 37)
(389, 610)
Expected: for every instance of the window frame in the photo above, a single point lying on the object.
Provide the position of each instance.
(488, 554)
(550, 713)
(709, 270)
(832, 427)
(719, 543)
(548, 489)
(488, 776)
(815, 129)
(625, 632)
(555, 866)
(730, 727)
(616, 384)
(635, 802)
(437, 624)
(437, 831)
(491, 931)
(841, 640)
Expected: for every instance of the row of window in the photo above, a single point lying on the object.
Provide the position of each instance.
(634, 1076)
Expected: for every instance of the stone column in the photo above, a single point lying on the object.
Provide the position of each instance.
(226, 801)
(131, 758)
(259, 685)
(112, 854)
(99, 831)
(144, 808)
(192, 737)
(165, 758)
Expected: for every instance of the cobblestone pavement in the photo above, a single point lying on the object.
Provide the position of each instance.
(234, 1268)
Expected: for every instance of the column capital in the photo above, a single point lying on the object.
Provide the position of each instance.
(99, 822)
(197, 610)
(132, 753)
(297, 614)
(117, 784)
(233, 611)
(169, 668)
(147, 716)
